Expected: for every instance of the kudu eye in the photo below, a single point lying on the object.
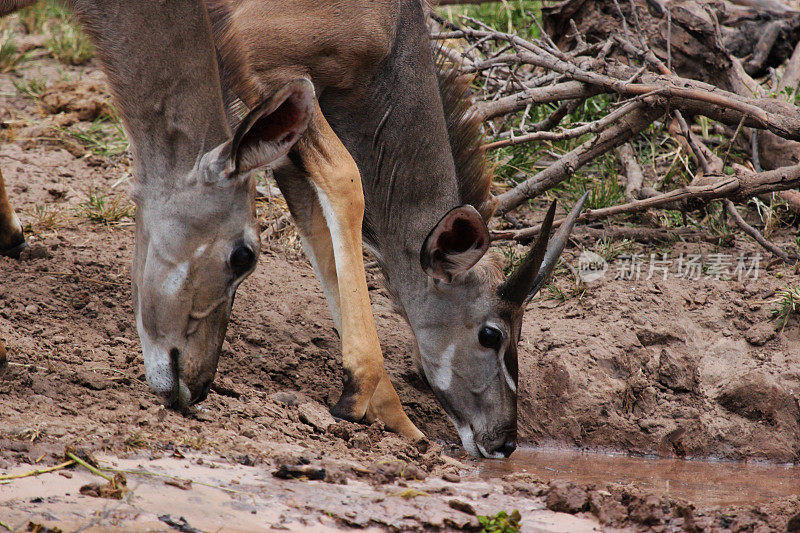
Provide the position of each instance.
(242, 260)
(490, 337)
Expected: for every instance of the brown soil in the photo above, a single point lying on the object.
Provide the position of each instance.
(675, 367)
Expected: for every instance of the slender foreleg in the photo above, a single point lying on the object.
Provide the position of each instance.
(12, 242)
(332, 234)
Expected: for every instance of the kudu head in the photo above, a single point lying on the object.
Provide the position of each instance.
(468, 326)
(195, 243)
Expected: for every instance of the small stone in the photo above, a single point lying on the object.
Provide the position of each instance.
(760, 334)
(648, 510)
(316, 416)
(462, 506)
(299, 471)
(606, 508)
(32, 309)
(451, 477)
(566, 497)
(678, 372)
(361, 441)
(289, 399)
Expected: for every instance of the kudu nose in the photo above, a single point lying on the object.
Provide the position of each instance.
(508, 448)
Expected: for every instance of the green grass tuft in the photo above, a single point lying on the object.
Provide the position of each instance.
(787, 303)
(106, 210)
(69, 44)
(502, 522)
(104, 137)
(10, 56)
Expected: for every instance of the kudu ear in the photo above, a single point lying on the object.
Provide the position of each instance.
(271, 129)
(532, 272)
(455, 244)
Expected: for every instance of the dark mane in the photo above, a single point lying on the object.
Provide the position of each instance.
(466, 140)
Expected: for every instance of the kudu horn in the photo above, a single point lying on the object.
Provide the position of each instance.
(526, 280)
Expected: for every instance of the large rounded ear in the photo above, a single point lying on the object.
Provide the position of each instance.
(455, 244)
(270, 129)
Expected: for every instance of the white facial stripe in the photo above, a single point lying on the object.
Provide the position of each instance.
(440, 373)
(200, 250)
(174, 280)
(506, 374)
(156, 361)
(467, 439)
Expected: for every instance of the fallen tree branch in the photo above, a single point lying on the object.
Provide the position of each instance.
(742, 185)
(625, 129)
(644, 235)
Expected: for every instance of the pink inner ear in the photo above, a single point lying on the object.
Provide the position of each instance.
(460, 236)
(281, 122)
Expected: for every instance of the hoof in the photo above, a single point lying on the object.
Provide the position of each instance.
(343, 410)
(15, 251)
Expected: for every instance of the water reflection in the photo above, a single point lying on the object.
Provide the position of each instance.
(705, 483)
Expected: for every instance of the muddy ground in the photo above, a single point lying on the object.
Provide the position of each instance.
(675, 367)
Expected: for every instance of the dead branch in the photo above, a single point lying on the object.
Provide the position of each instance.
(741, 186)
(633, 171)
(624, 130)
(755, 234)
(572, 133)
(569, 90)
(517, 74)
(644, 235)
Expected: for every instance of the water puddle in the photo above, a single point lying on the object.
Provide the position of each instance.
(704, 483)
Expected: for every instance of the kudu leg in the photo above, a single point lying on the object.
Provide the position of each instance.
(333, 234)
(12, 242)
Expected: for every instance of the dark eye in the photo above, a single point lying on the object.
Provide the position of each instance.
(242, 260)
(490, 337)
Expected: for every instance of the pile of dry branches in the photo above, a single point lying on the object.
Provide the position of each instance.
(662, 61)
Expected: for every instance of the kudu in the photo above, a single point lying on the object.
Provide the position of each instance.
(196, 233)
(426, 186)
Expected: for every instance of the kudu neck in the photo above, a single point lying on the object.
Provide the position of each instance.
(401, 146)
(166, 86)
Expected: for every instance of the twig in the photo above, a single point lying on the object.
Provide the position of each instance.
(592, 127)
(37, 472)
(625, 129)
(89, 467)
(755, 234)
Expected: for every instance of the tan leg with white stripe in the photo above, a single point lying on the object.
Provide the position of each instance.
(367, 391)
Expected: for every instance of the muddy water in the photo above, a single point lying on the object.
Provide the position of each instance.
(705, 483)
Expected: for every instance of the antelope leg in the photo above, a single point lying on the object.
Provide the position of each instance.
(334, 239)
(12, 242)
